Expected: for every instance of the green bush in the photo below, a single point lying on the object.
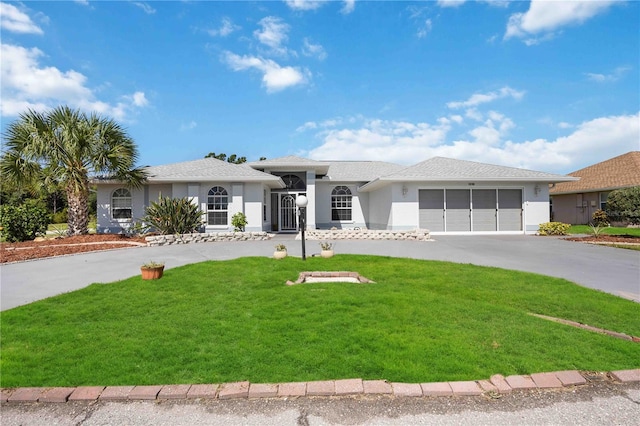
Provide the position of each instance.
(173, 216)
(600, 218)
(23, 222)
(239, 221)
(553, 228)
(59, 217)
(623, 205)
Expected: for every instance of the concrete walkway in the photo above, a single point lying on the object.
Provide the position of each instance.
(611, 270)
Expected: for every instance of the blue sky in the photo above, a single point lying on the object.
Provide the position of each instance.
(550, 86)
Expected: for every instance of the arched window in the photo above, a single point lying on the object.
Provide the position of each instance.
(217, 206)
(121, 204)
(293, 182)
(341, 203)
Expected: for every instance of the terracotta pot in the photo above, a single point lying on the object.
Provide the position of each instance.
(152, 273)
(326, 253)
(279, 254)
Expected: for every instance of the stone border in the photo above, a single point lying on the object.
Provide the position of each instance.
(331, 274)
(497, 384)
(366, 234)
(206, 237)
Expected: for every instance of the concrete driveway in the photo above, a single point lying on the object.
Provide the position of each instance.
(615, 271)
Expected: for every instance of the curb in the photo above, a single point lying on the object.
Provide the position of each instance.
(497, 384)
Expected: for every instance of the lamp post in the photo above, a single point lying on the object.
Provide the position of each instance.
(301, 202)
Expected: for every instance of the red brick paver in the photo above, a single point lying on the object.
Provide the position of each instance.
(487, 386)
(111, 393)
(406, 389)
(174, 392)
(56, 395)
(262, 390)
(499, 382)
(321, 388)
(4, 395)
(202, 391)
(546, 380)
(234, 390)
(86, 393)
(570, 378)
(520, 382)
(373, 387)
(145, 392)
(436, 389)
(26, 395)
(292, 389)
(626, 376)
(349, 387)
(465, 388)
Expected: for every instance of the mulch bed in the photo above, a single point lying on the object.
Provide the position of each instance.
(608, 239)
(28, 250)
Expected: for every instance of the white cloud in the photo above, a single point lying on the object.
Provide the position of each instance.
(545, 17)
(304, 4)
(82, 2)
(146, 7)
(451, 3)
(614, 76)
(27, 84)
(14, 20)
(564, 125)
(426, 29)
(226, 27)
(408, 143)
(274, 76)
(273, 33)
(316, 50)
(348, 7)
(189, 126)
(481, 98)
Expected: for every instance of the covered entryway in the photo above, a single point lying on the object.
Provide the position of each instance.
(470, 210)
(284, 212)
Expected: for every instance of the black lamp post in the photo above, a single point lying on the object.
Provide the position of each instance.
(302, 202)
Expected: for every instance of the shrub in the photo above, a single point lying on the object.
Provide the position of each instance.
(600, 218)
(623, 205)
(59, 217)
(239, 222)
(173, 216)
(553, 228)
(23, 222)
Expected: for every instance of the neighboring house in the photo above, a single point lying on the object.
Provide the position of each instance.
(440, 194)
(575, 202)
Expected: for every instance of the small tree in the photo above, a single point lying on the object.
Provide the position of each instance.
(239, 222)
(623, 205)
(173, 216)
(600, 218)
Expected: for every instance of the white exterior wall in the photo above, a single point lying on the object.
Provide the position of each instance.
(536, 206)
(253, 197)
(312, 207)
(380, 208)
(359, 204)
(106, 224)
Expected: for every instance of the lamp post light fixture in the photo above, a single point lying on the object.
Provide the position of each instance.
(301, 202)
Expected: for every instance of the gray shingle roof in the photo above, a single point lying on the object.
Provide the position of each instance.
(207, 169)
(360, 171)
(442, 169)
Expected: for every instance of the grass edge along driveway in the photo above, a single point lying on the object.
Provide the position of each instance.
(225, 321)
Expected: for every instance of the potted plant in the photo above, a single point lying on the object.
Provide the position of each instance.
(327, 249)
(281, 251)
(152, 270)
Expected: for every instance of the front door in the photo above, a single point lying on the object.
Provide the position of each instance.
(288, 211)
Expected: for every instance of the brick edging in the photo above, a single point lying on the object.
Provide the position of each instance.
(497, 384)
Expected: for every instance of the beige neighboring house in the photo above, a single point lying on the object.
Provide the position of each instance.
(575, 202)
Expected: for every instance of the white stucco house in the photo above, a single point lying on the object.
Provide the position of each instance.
(440, 194)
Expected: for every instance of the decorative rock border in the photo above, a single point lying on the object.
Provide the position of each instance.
(302, 278)
(366, 234)
(497, 384)
(206, 237)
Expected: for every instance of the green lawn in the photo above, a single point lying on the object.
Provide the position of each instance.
(224, 321)
(612, 230)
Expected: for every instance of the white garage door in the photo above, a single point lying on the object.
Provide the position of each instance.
(476, 210)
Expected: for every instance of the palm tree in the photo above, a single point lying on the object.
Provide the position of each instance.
(69, 146)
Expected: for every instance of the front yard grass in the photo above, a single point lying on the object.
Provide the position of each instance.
(611, 230)
(225, 321)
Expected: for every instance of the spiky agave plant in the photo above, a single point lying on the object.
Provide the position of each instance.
(173, 216)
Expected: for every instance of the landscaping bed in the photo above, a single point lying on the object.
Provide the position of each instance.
(29, 250)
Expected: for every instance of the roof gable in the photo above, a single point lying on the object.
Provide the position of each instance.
(622, 171)
(206, 169)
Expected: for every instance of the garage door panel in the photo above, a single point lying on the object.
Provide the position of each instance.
(431, 209)
(458, 210)
(484, 209)
(510, 209)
